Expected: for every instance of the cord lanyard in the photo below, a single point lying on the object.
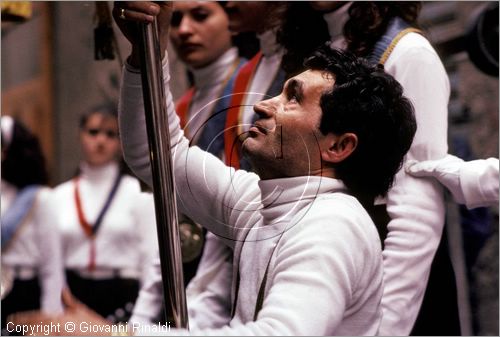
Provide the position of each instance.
(89, 230)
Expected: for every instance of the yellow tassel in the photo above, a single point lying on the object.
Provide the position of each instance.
(16, 10)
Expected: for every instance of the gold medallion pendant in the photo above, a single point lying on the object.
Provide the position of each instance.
(192, 239)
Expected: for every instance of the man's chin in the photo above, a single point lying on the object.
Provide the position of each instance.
(246, 146)
(250, 147)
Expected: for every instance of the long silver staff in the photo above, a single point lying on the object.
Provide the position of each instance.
(163, 182)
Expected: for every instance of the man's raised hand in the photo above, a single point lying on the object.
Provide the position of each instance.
(128, 13)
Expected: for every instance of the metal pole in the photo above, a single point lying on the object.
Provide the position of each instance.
(163, 182)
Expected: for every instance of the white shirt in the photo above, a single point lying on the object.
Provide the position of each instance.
(336, 20)
(416, 206)
(317, 284)
(472, 183)
(479, 182)
(126, 239)
(37, 245)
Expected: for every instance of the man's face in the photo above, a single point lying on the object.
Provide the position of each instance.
(286, 141)
(199, 32)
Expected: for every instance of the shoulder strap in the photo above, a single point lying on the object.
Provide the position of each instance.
(87, 228)
(182, 106)
(260, 295)
(395, 31)
(212, 138)
(18, 212)
(91, 230)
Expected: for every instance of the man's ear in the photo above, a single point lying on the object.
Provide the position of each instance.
(339, 147)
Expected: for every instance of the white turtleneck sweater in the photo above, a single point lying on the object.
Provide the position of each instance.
(266, 70)
(36, 245)
(325, 272)
(209, 83)
(126, 239)
(415, 206)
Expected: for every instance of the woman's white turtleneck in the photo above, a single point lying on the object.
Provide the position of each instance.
(209, 82)
(336, 20)
(126, 238)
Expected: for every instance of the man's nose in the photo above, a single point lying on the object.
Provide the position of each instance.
(265, 109)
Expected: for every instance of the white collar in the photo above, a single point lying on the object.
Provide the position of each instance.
(283, 198)
(336, 20)
(215, 72)
(100, 173)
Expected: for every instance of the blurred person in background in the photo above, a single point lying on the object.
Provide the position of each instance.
(32, 270)
(411, 219)
(107, 224)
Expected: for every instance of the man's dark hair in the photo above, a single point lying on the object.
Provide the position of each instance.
(369, 103)
(24, 163)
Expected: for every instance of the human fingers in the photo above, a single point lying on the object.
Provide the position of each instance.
(420, 169)
(138, 11)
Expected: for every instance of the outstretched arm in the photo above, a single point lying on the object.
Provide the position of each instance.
(472, 183)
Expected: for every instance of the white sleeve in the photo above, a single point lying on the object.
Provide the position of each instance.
(50, 259)
(416, 206)
(209, 292)
(479, 182)
(149, 303)
(208, 191)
